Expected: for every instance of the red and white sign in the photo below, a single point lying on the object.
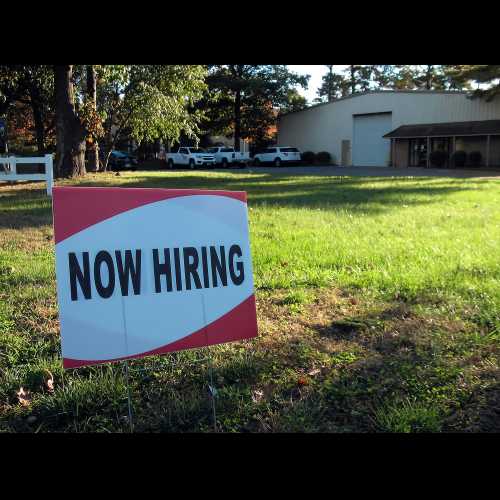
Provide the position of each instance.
(150, 271)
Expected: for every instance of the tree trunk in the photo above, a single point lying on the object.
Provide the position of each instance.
(108, 142)
(70, 132)
(237, 120)
(92, 147)
(330, 83)
(112, 139)
(428, 80)
(353, 80)
(39, 125)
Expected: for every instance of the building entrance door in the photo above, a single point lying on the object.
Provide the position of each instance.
(418, 152)
(346, 153)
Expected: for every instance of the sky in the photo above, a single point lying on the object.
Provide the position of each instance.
(316, 71)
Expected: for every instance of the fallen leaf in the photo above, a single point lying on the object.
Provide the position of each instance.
(50, 382)
(23, 397)
(257, 396)
(314, 372)
(302, 381)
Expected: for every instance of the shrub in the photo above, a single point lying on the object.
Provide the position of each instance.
(308, 157)
(438, 158)
(459, 158)
(475, 158)
(324, 157)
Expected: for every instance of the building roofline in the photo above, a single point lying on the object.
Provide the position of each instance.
(445, 125)
(358, 94)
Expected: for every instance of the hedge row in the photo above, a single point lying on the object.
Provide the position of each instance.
(321, 157)
(458, 158)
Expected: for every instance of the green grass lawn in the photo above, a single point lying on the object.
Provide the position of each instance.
(378, 306)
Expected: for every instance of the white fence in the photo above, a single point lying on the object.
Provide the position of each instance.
(9, 173)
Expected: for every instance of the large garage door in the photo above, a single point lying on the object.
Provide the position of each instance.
(369, 148)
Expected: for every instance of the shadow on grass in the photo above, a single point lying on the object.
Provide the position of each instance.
(23, 208)
(332, 193)
(28, 208)
(413, 377)
(483, 413)
(403, 375)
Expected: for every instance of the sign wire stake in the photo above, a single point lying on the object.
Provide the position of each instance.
(211, 388)
(129, 399)
(213, 391)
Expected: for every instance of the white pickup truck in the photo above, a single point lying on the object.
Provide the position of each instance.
(227, 156)
(190, 157)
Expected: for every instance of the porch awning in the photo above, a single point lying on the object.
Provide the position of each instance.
(484, 127)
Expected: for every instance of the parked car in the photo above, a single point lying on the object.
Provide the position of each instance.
(277, 155)
(190, 157)
(227, 156)
(119, 160)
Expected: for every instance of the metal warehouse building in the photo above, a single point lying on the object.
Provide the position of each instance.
(399, 128)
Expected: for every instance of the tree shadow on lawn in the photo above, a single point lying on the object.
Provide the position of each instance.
(22, 208)
(482, 413)
(412, 378)
(390, 370)
(292, 192)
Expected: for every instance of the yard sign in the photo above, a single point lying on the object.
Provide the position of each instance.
(150, 271)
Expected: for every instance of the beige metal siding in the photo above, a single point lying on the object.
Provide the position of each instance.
(324, 127)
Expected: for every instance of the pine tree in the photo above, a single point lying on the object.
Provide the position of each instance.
(426, 77)
(333, 87)
(487, 74)
(359, 77)
(251, 96)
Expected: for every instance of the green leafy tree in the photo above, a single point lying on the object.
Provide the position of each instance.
(413, 77)
(217, 107)
(354, 78)
(251, 96)
(10, 88)
(95, 121)
(294, 102)
(31, 86)
(334, 86)
(399, 77)
(359, 77)
(431, 77)
(149, 102)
